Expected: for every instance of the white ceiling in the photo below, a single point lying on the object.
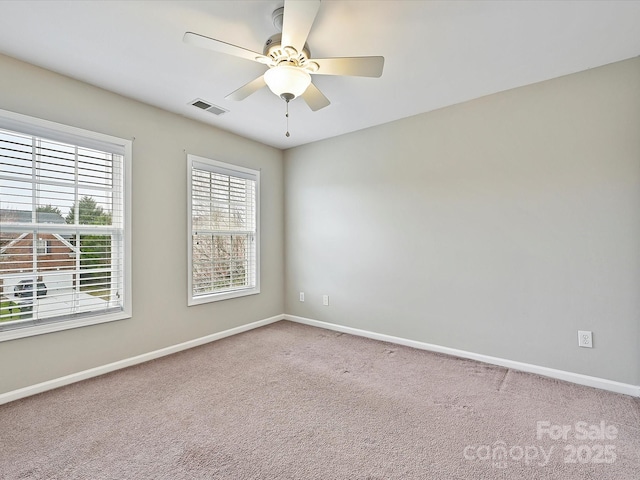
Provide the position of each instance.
(437, 53)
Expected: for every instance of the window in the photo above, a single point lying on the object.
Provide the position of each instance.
(43, 247)
(64, 231)
(223, 230)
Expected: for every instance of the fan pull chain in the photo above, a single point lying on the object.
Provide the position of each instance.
(287, 115)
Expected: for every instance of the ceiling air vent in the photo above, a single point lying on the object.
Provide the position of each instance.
(208, 107)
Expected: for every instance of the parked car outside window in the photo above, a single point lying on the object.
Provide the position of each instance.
(24, 289)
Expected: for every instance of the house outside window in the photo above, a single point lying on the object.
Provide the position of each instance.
(64, 227)
(223, 230)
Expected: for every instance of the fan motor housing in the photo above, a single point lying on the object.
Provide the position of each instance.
(273, 48)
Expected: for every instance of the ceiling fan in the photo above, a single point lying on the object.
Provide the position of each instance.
(289, 59)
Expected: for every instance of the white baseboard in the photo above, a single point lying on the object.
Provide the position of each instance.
(128, 362)
(602, 383)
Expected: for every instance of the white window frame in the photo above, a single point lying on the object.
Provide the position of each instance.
(231, 170)
(42, 246)
(77, 136)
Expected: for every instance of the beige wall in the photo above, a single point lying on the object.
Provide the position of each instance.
(160, 313)
(499, 226)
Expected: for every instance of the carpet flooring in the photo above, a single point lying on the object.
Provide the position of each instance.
(289, 401)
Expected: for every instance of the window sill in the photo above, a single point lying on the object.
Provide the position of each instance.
(216, 297)
(62, 325)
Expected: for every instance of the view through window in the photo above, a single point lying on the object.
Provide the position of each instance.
(224, 230)
(62, 230)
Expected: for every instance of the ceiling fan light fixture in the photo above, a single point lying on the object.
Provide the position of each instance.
(286, 81)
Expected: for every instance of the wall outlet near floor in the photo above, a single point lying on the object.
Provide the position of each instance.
(325, 300)
(585, 339)
(302, 296)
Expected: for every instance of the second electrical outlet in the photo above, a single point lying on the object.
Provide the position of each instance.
(325, 300)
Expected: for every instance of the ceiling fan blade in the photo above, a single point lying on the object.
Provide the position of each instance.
(246, 90)
(315, 98)
(298, 18)
(223, 47)
(351, 66)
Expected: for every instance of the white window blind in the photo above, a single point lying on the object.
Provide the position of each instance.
(223, 230)
(62, 225)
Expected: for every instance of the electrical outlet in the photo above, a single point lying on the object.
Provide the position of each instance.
(325, 300)
(302, 296)
(585, 339)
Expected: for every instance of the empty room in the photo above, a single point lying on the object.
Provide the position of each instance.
(304, 239)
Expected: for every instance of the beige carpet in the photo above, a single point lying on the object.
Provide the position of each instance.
(289, 401)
